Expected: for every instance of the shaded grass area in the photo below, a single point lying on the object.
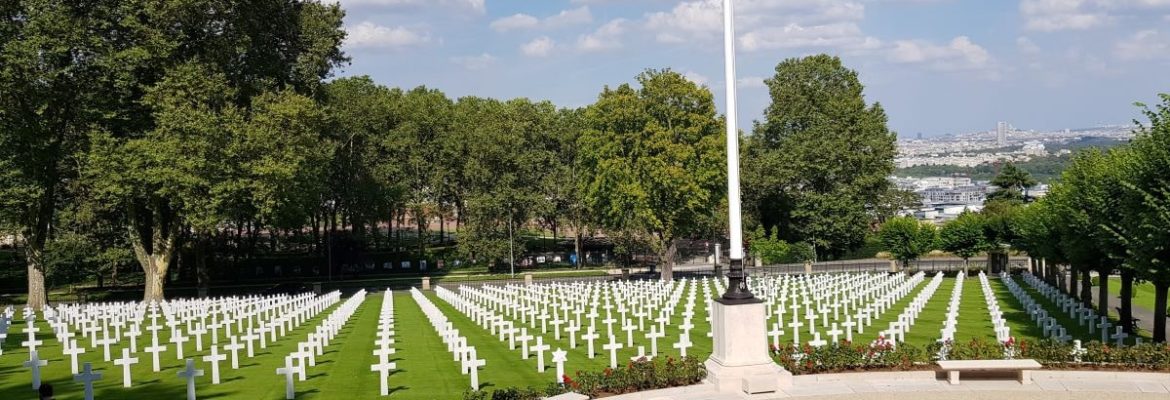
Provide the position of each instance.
(891, 314)
(1143, 293)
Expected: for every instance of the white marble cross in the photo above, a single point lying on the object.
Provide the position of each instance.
(288, 371)
(87, 377)
(524, 338)
(73, 350)
(214, 358)
(234, 348)
(475, 363)
(189, 374)
(126, 361)
(154, 351)
(178, 340)
(613, 347)
(589, 338)
(383, 369)
(35, 363)
(540, 348)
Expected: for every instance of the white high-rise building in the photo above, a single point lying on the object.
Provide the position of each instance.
(1001, 132)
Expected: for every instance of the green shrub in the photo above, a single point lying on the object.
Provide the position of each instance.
(640, 375)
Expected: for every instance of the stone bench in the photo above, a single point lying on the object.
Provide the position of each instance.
(1022, 367)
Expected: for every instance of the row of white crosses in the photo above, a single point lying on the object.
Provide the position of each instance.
(96, 321)
(298, 362)
(947, 333)
(836, 301)
(469, 362)
(898, 329)
(479, 313)
(383, 345)
(1084, 316)
(1002, 331)
(1036, 311)
(516, 313)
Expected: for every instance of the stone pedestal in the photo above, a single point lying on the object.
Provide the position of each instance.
(808, 268)
(317, 288)
(893, 266)
(739, 356)
(528, 279)
(426, 283)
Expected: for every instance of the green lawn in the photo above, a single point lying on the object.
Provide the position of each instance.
(1143, 293)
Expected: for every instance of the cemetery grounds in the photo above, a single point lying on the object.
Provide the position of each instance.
(431, 331)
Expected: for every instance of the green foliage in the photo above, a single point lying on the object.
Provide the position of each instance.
(659, 373)
(906, 238)
(963, 236)
(816, 167)
(657, 158)
(772, 250)
(1012, 185)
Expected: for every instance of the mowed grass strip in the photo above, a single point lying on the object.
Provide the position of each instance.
(425, 368)
(926, 328)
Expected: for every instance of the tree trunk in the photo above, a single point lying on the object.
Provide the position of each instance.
(577, 250)
(1087, 288)
(202, 275)
(442, 227)
(1103, 293)
(153, 236)
(1126, 312)
(35, 258)
(1072, 284)
(666, 260)
(1160, 311)
(422, 221)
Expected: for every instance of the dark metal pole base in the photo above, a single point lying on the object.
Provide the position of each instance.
(737, 290)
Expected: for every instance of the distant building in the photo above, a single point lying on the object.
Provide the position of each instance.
(956, 195)
(1035, 148)
(1001, 133)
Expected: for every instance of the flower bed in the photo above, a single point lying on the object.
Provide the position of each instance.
(886, 356)
(661, 373)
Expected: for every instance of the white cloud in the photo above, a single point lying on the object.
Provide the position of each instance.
(476, 6)
(606, 37)
(1026, 46)
(1061, 15)
(845, 35)
(960, 54)
(1144, 45)
(696, 77)
(371, 35)
(751, 82)
(576, 16)
(475, 63)
(539, 47)
(516, 21)
(767, 24)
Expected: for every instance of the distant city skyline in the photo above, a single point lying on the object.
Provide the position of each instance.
(937, 66)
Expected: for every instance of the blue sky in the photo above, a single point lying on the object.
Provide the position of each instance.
(937, 66)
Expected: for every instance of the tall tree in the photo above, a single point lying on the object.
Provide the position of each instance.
(53, 92)
(426, 121)
(656, 155)
(185, 74)
(815, 169)
(1012, 184)
(963, 237)
(906, 238)
(1147, 207)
